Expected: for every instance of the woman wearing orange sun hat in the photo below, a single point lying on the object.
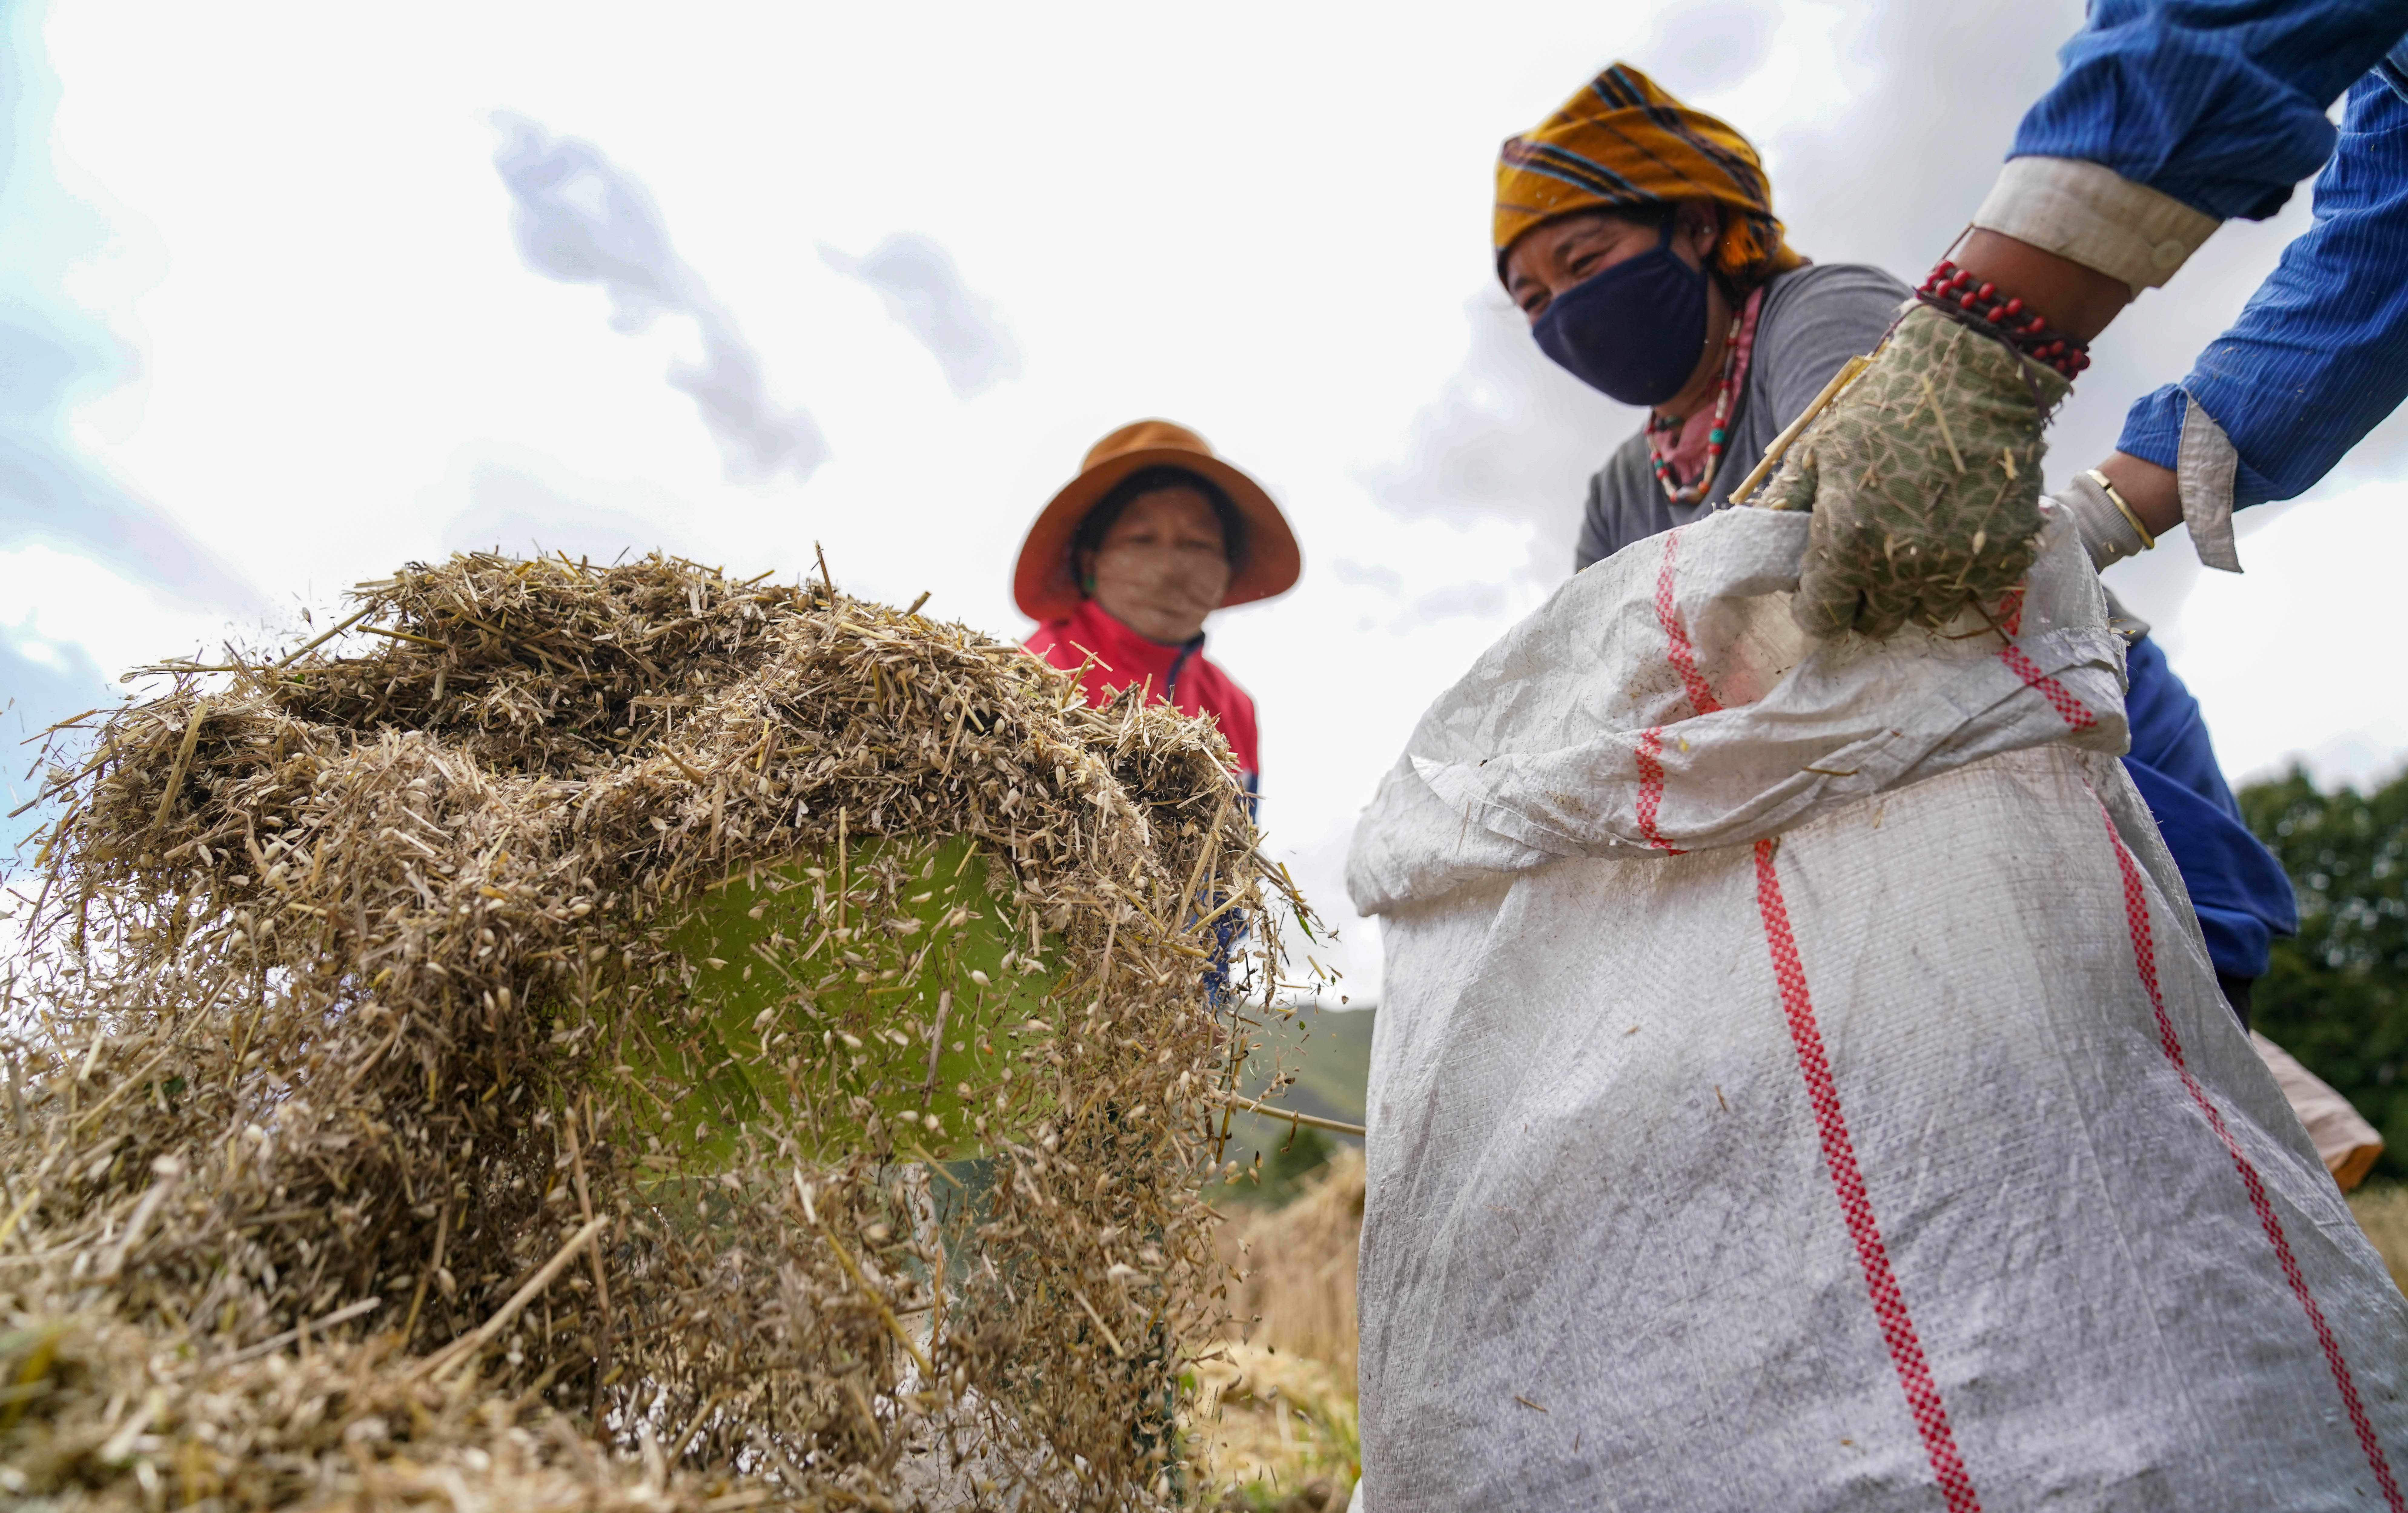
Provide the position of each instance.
(1121, 569)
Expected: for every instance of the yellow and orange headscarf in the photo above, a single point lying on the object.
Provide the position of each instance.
(1623, 141)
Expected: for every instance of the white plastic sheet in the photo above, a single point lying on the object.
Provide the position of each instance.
(1800, 1085)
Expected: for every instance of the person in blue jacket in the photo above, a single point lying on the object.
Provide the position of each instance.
(2238, 888)
(2171, 117)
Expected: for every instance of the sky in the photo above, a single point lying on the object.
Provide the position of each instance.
(292, 294)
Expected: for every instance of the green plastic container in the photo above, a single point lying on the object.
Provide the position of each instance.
(799, 1016)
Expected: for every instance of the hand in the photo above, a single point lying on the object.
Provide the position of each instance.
(1923, 479)
(2109, 529)
(2154, 493)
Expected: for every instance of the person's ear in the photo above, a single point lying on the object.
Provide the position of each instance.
(1084, 564)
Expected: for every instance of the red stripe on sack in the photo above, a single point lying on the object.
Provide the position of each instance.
(2011, 610)
(2145, 958)
(2075, 714)
(1650, 787)
(1855, 1205)
(1682, 656)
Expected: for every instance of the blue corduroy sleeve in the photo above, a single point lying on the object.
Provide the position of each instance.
(2218, 103)
(2239, 890)
(2319, 355)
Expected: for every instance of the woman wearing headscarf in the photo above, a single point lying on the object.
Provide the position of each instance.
(1637, 236)
(1121, 568)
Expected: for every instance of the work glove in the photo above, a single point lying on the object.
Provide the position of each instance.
(2110, 531)
(1923, 476)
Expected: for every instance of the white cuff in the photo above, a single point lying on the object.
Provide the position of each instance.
(2096, 217)
(2108, 534)
(2204, 466)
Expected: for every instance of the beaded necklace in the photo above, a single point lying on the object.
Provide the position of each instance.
(1663, 431)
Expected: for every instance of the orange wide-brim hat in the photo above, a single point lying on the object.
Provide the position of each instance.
(1045, 582)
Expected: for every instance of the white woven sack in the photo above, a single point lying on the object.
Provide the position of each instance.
(1801, 1085)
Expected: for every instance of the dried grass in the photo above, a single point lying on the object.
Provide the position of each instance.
(625, 1038)
(2381, 1211)
(1272, 1428)
(1298, 1264)
(1274, 1413)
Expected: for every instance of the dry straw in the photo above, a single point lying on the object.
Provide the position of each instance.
(625, 1038)
(1274, 1408)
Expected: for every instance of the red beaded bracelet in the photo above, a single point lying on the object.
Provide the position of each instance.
(1953, 289)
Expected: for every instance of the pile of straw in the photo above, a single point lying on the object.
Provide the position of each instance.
(1296, 1265)
(626, 1037)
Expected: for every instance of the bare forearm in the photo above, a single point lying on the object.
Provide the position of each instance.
(2080, 302)
(2077, 302)
(2150, 490)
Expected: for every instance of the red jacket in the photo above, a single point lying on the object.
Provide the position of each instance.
(1177, 675)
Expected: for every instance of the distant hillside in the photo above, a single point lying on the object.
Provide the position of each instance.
(1328, 1053)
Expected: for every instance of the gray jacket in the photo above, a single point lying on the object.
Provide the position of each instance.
(1814, 319)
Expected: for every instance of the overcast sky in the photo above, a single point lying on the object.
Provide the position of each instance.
(292, 294)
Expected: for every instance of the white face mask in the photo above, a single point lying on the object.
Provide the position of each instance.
(1163, 565)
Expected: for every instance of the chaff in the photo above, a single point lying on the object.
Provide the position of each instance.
(541, 911)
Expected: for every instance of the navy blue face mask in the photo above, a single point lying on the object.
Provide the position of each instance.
(1634, 331)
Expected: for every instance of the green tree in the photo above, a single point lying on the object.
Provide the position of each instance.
(2337, 996)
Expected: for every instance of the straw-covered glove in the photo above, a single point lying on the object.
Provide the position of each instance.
(1924, 478)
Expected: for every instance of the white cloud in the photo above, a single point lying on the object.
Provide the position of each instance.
(77, 609)
(70, 265)
(581, 218)
(1378, 576)
(1507, 444)
(501, 496)
(345, 362)
(925, 294)
(1464, 599)
(2291, 657)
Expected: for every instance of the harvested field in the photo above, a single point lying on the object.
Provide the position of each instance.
(2382, 1210)
(599, 1038)
(1315, 1062)
(1273, 1417)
